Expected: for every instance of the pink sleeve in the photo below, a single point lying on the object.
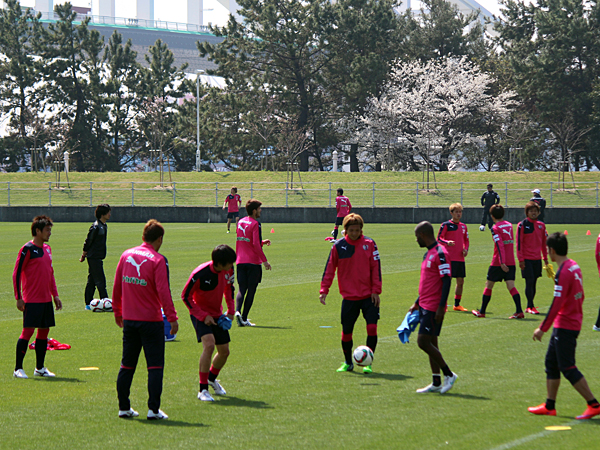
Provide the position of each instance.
(53, 288)
(498, 242)
(598, 253)
(337, 204)
(557, 302)
(21, 262)
(330, 266)
(349, 206)
(466, 239)
(520, 238)
(116, 294)
(257, 243)
(375, 270)
(442, 235)
(161, 277)
(544, 246)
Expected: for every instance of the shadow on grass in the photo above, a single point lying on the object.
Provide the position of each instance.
(383, 376)
(272, 328)
(59, 379)
(466, 396)
(171, 423)
(240, 402)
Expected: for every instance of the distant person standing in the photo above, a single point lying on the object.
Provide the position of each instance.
(232, 202)
(94, 250)
(488, 199)
(343, 208)
(35, 289)
(541, 201)
(566, 314)
(141, 288)
(250, 256)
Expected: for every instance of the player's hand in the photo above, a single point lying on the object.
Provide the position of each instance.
(82, 259)
(266, 242)
(465, 253)
(119, 321)
(230, 317)
(545, 262)
(21, 305)
(267, 265)
(174, 327)
(451, 243)
(208, 320)
(223, 207)
(504, 267)
(57, 303)
(413, 308)
(537, 335)
(439, 314)
(522, 265)
(322, 298)
(375, 299)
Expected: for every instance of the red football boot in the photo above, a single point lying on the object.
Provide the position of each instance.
(541, 410)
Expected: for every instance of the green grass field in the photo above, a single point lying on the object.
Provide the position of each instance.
(316, 189)
(283, 390)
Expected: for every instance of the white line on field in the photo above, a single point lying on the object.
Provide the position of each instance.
(532, 437)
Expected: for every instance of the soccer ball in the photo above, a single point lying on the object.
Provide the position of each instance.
(107, 304)
(481, 227)
(362, 356)
(97, 305)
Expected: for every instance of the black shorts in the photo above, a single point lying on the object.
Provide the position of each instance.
(233, 215)
(428, 324)
(38, 315)
(249, 274)
(533, 268)
(351, 310)
(339, 221)
(221, 335)
(561, 351)
(495, 273)
(458, 269)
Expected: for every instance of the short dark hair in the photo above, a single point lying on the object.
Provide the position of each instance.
(424, 228)
(497, 211)
(340, 191)
(531, 205)
(251, 205)
(558, 242)
(490, 185)
(152, 231)
(234, 189)
(223, 255)
(39, 223)
(102, 209)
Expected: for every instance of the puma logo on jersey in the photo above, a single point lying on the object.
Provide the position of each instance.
(137, 266)
(240, 227)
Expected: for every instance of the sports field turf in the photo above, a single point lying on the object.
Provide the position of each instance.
(283, 390)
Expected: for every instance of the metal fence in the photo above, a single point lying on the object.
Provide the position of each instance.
(365, 194)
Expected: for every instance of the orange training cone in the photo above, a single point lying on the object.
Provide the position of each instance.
(589, 233)
(566, 233)
(272, 230)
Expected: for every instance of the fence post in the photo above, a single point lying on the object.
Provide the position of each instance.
(417, 194)
(596, 194)
(174, 194)
(9, 193)
(330, 194)
(461, 194)
(91, 202)
(373, 194)
(286, 194)
(216, 194)
(506, 192)
(49, 193)
(132, 195)
(551, 194)
(251, 190)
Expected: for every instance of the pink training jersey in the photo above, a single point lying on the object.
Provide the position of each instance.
(343, 206)
(567, 306)
(598, 253)
(248, 245)
(233, 202)
(457, 232)
(531, 240)
(358, 268)
(142, 286)
(435, 266)
(33, 276)
(504, 244)
(204, 291)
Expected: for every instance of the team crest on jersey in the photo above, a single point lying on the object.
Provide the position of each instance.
(365, 247)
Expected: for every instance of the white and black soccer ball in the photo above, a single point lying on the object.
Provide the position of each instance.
(97, 305)
(107, 304)
(482, 228)
(362, 356)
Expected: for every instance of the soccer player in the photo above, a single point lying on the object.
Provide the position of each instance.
(343, 208)
(232, 202)
(250, 256)
(35, 289)
(356, 259)
(488, 199)
(434, 288)
(531, 242)
(597, 324)
(541, 201)
(566, 314)
(141, 288)
(503, 263)
(203, 295)
(454, 236)
(94, 250)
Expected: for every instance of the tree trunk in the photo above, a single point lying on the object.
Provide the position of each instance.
(354, 158)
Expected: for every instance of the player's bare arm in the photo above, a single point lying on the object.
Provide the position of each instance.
(266, 242)
(451, 243)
